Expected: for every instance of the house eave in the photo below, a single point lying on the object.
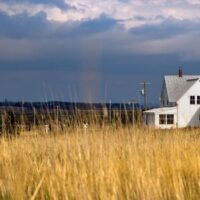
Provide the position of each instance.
(161, 110)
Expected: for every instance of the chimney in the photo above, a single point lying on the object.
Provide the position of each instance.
(180, 72)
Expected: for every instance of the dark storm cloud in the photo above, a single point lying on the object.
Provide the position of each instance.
(100, 24)
(45, 39)
(37, 26)
(23, 26)
(36, 38)
(168, 28)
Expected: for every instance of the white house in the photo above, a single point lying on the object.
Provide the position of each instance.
(179, 103)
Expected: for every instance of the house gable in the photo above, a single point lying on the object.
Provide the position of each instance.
(189, 114)
(174, 87)
(164, 100)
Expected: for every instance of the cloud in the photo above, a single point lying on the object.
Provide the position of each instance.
(128, 13)
(38, 27)
(100, 24)
(23, 26)
(54, 3)
(168, 28)
(46, 29)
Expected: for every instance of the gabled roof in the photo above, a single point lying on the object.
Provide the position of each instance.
(177, 86)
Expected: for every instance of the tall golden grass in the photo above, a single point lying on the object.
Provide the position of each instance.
(106, 163)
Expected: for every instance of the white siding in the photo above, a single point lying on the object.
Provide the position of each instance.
(189, 115)
(151, 117)
(166, 126)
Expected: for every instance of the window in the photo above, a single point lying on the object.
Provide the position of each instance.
(166, 119)
(192, 100)
(198, 99)
(162, 119)
(170, 119)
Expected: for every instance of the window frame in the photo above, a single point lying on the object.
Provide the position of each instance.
(166, 119)
(170, 119)
(198, 100)
(162, 119)
(192, 100)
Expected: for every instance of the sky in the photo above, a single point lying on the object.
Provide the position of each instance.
(95, 50)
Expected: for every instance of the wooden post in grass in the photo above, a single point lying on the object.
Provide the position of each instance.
(133, 113)
(110, 112)
(57, 119)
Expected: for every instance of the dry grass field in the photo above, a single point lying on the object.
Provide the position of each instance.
(107, 163)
